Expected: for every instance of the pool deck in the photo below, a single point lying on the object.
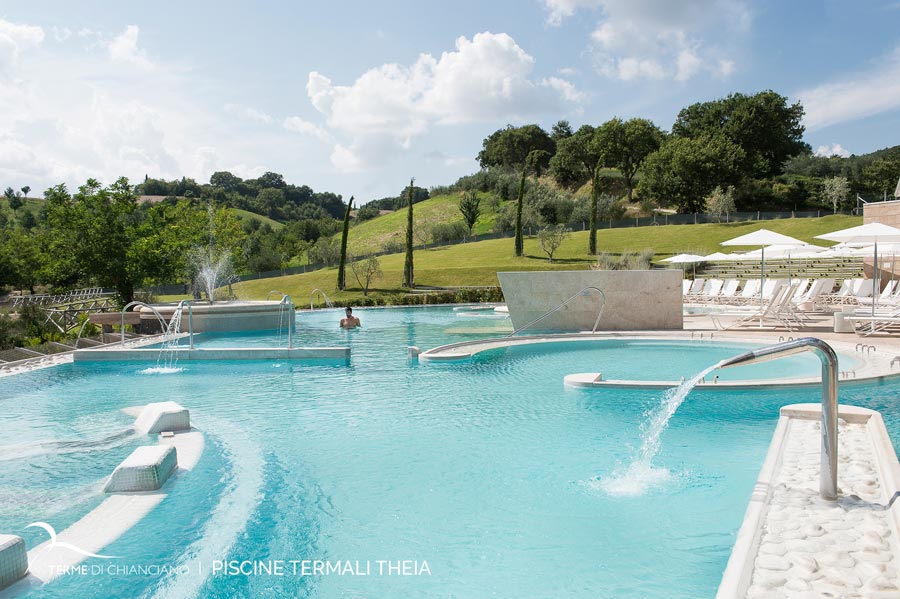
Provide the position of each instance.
(793, 543)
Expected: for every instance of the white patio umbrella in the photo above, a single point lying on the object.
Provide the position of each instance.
(685, 259)
(867, 234)
(763, 238)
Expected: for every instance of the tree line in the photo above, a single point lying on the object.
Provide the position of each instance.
(751, 144)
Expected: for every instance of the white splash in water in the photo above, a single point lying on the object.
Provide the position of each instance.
(161, 370)
(640, 475)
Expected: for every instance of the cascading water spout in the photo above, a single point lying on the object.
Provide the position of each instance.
(640, 474)
(167, 362)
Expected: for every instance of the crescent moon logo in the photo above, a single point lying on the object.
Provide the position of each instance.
(54, 543)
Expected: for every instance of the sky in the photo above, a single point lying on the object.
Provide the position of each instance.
(358, 97)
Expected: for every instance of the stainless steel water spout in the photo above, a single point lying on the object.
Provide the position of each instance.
(828, 477)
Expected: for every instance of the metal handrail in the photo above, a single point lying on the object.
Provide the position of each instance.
(581, 293)
(281, 293)
(828, 476)
(287, 301)
(312, 297)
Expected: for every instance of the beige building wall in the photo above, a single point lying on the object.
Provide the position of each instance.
(635, 299)
(886, 213)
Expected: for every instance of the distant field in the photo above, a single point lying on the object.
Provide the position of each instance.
(245, 214)
(477, 263)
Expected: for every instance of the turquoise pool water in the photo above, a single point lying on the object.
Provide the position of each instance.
(489, 471)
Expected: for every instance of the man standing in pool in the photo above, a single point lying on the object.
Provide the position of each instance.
(350, 322)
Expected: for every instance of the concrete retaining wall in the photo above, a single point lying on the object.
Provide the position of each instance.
(635, 299)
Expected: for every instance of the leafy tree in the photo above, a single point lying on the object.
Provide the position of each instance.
(550, 238)
(366, 212)
(270, 201)
(14, 198)
(575, 158)
(561, 130)
(510, 147)
(97, 229)
(505, 221)
(836, 191)
(26, 190)
(553, 206)
(685, 170)
(156, 187)
(326, 250)
(881, 176)
(365, 271)
(766, 128)
(271, 179)
(720, 201)
(408, 278)
(625, 144)
(27, 220)
(20, 259)
(470, 207)
(342, 275)
(225, 181)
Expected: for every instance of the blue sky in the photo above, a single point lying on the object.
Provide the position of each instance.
(357, 97)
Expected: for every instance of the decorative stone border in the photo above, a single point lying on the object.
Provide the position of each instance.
(792, 543)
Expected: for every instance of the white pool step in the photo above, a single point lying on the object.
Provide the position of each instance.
(146, 469)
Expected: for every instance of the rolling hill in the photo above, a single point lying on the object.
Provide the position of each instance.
(477, 262)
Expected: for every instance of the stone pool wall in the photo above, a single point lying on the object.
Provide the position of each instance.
(635, 299)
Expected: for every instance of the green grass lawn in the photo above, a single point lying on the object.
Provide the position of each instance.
(264, 220)
(478, 262)
(372, 235)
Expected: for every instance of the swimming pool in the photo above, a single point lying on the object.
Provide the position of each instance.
(489, 471)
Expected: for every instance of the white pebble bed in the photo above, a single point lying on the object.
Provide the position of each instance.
(812, 548)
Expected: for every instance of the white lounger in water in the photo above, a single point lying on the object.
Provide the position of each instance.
(13, 559)
(146, 469)
(162, 416)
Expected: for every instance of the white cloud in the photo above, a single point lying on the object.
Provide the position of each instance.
(688, 64)
(61, 34)
(14, 39)
(486, 78)
(854, 96)
(248, 113)
(124, 48)
(304, 127)
(832, 150)
(446, 159)
(655, 39)
(566, 88)
(725, 67)
(561, 9)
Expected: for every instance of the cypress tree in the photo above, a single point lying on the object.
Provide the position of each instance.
(408, 264)
(342, 272)
(520, 244)
(595, 197)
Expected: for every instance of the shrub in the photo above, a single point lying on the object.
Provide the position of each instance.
(448, 232)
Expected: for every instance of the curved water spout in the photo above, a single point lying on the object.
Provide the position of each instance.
(828, 476)
(159, 317)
